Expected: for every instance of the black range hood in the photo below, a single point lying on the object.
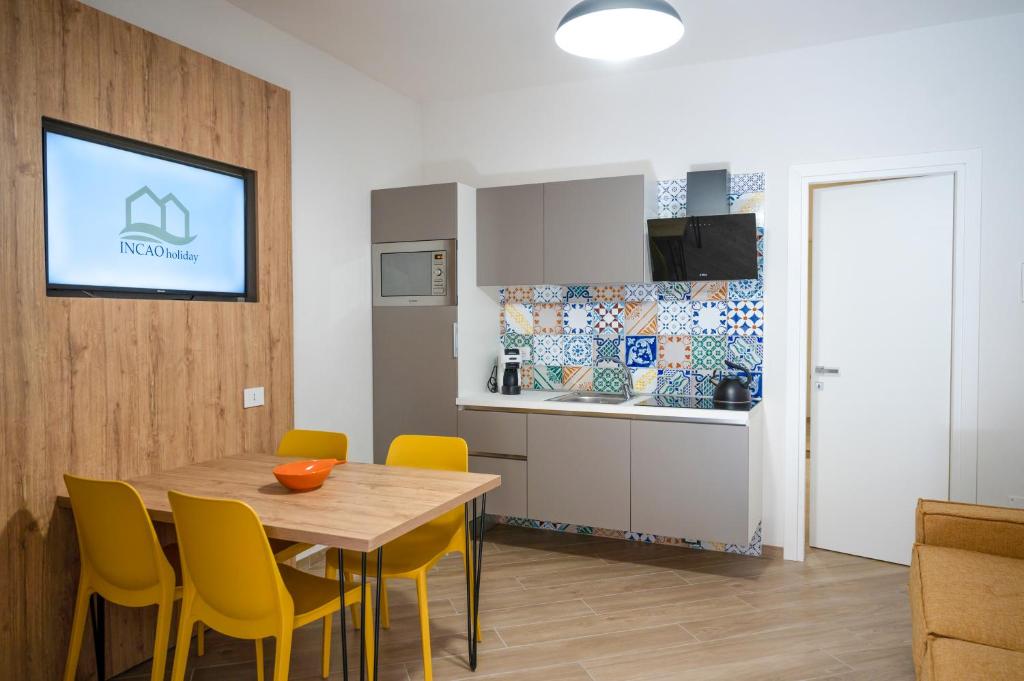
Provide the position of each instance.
(709, 243)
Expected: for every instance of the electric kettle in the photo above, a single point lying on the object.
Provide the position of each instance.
(732, 389)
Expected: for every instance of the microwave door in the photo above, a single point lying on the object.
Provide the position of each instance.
(405, 274)
(414, 272)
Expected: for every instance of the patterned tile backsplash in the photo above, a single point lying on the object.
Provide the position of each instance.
(673, 336)
(753, 548)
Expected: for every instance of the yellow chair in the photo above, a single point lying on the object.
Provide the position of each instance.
(307, 444)
(412, 555)
(122, 561)
(233, 584)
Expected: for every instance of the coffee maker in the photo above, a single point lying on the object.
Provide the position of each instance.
(510, 362)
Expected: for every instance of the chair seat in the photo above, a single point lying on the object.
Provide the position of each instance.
(313, 596)
(972, 597)
(403, 555)
(947, 659)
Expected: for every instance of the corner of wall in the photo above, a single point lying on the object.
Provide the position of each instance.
(478, 306)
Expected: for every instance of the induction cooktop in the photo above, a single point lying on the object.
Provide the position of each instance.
(690, 402)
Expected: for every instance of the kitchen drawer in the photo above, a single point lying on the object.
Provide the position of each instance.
(493, 432)
(510, 498)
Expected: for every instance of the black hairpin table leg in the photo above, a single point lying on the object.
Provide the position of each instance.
(344, 634)
(371, 673)
(376, 612)
(475, 557)
(99, 635)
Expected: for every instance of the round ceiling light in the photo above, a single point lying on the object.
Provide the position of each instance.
(619, 29)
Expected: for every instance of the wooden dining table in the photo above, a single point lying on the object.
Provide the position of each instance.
(360, 507)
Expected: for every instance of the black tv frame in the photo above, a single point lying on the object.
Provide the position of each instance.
(248, 177)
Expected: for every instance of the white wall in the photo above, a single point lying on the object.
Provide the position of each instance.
(944, 88)
(350, 134)
(478, 305)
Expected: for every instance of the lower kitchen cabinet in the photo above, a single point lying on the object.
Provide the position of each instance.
(510, 498)
(669, 478)
(579, 470)
(695, 480)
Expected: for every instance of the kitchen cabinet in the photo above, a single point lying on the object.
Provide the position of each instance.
(696, 480)
(573, 232)
(415, 376)
(594, 230)
(414, 213)
(578, 470)
(510, 235)
(511, 498)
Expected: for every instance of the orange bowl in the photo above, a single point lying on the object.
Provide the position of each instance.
(301, 476)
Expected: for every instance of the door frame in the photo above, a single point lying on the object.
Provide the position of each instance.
(963, 461)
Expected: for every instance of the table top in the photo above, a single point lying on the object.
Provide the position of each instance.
(359, 507)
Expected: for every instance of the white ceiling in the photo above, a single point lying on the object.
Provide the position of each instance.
(444, 49)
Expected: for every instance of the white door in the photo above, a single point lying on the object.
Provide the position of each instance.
(881, 339)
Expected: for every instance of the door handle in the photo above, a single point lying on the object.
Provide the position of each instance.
(827, 371)
(455, 340)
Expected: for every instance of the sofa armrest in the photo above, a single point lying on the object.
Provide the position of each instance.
(985, 529)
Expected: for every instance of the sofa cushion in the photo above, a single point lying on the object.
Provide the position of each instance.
(986, 529)
(947, 659)
(969, 596)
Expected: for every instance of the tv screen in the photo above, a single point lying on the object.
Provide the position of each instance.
(711, 247)
(127, 218)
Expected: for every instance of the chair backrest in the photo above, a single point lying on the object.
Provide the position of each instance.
(429, 451)
(115, 535)
(432, 451)
(226, 558)
(314, 444)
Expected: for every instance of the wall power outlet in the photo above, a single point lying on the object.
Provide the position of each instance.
(252, 397)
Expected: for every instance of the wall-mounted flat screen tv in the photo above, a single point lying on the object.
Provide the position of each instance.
(708, 247)
(128, 219)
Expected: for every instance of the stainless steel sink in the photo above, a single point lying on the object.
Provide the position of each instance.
(590, 398)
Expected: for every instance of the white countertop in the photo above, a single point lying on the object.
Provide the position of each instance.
(539, 400)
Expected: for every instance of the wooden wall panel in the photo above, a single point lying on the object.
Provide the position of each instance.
(120, 388)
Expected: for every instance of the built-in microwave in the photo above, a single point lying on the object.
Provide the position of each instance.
(414, 273)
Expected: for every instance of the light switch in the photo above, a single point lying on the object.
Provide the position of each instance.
(252, 397)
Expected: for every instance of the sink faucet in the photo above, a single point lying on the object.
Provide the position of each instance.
(627, 378)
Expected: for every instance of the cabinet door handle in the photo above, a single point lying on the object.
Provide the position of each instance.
(455, 340)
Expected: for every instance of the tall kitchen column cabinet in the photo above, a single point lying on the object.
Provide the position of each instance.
(415, 371)
(573, 232)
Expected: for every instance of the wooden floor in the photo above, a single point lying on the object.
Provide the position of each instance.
(562, 607)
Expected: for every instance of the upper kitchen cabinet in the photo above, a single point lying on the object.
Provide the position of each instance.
(594, 230)
(414, 213)
(510, 235)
